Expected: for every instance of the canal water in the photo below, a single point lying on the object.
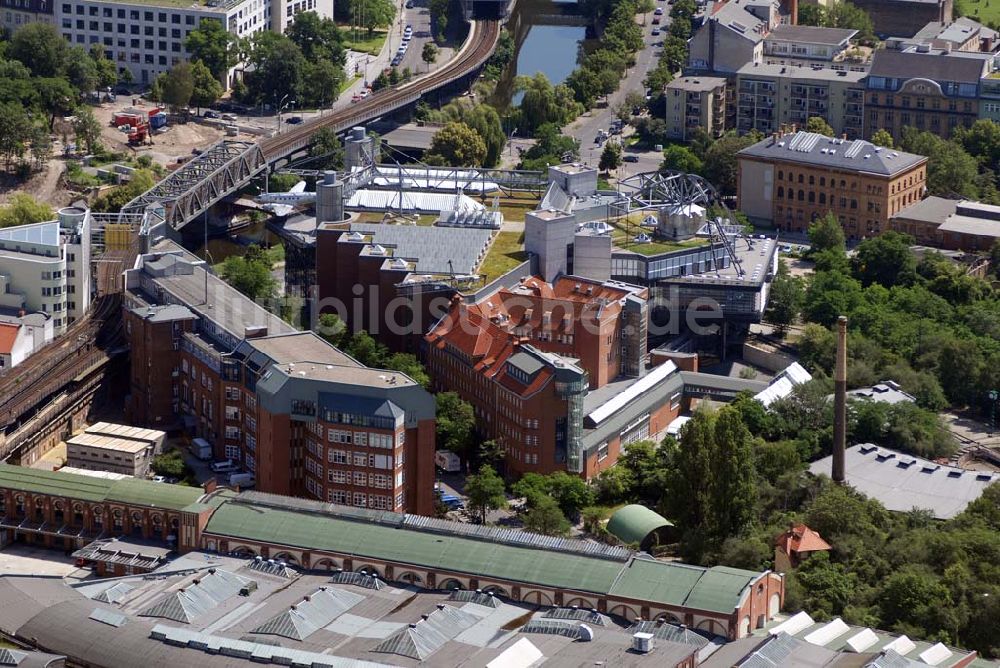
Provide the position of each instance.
(548, 37)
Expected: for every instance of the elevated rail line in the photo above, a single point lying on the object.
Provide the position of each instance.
(230, 165)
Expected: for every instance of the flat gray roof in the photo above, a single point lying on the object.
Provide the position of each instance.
(794, 72)
(700, 84)
(903, 482)
(811, 148)
(436, 250)
(810, 34)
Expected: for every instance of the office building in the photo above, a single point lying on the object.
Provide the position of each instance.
(936, 91)
(696, 103)
(769, 97)
(790, 180)
(304, 418)
(147, 38)
(46, 267)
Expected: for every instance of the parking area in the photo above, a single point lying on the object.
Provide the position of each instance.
(21, 559)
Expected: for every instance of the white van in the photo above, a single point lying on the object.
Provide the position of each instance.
(242, 480)
(201, 449)
(226, 466)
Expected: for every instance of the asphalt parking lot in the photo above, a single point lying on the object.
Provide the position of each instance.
(20, 559)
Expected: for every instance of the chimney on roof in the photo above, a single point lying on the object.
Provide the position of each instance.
(840, 402)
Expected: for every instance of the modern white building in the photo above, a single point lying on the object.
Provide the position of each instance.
(147, 37)
(46, 267)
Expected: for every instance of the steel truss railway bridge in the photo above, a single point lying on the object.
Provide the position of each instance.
(228, 166)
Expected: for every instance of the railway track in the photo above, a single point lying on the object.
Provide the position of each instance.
(90, 339)
(476, 50)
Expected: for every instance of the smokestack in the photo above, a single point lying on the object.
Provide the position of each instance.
(840, 402)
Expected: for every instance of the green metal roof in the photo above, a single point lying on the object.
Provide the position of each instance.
(632, 523)
(87, 488)
(716, 589)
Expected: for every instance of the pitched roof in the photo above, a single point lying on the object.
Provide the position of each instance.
(801, 538)
(8, 337)
(936, 67)
(88, 488)
(817, 150)
(931, 209)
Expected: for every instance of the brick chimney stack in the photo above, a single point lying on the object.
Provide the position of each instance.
(840, 402)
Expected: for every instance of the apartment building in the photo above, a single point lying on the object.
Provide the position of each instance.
(769, 97)
(693, 103)
(789, 180)
(811, 46)
(933, 90)
(147, 38)
(46, 267)
(303, 417)
(732, 35)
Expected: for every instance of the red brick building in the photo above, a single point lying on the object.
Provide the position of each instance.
(557, 372)
(272, 399)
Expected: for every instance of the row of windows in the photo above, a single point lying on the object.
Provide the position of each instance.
(132, 15)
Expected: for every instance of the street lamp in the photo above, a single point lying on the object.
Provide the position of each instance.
(281, 106)
(993, 395)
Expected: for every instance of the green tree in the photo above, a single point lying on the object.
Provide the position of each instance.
(720, 159)
(885, 260)
(41, 146)
(249, 275)
(23, 209)
(611, 157)
(87, 129)
(784, 301)
(826, 234)
(681, 159)
(371, 14)
(56, 97)
(732, 487)
(485, 120)
(326, 152)
(41, 48)
(215, 46)
(544, 103)
(332, 329)
(107, 72)
(409, 364)
(15, 131)
(80, 71)
(456, 424)
(456, 145)
(830, 295)
(113, 200)
(429, 54)
(278, 68)
(882, 137)
(847, 15)
(912, 598)
(319, 39)
(178, 85)
(321, 81)
(545, 518)
(812, 15)
(205, 87)
(981, 141)
(485, 491)
(689, 496)
(819, 125)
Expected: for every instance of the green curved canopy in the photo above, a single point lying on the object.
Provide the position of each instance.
(632, 523)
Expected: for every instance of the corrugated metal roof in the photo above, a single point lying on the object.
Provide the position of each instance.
(311, 614)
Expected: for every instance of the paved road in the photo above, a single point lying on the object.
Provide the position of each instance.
(585, 128)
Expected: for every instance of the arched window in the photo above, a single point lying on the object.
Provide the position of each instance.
(822, 198)
(781, 175)
(822, 181)
(800, 178)
(812, 197)
(802, 195)
(781, 192)
(812, 180)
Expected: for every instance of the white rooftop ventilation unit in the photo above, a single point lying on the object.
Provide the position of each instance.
(642, 642)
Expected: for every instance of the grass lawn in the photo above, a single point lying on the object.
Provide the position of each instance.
(984, 11)
(364, 44)
(506, 253)
(622, 239)
(348, 82)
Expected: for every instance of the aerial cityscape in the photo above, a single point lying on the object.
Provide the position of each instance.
(500, 333)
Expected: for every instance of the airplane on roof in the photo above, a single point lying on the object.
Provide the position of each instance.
(282, 204)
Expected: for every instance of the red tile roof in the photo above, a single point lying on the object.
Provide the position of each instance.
(8, 336)
(801, 538)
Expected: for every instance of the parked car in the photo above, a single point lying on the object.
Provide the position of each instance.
(227, 466)
(658, 11)
(630, 158)
(229, 117)
(656, 32)
(159, 478)
(656, 20)
(294, 120)
(211, 114)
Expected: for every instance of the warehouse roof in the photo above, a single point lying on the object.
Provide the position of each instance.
(419, 541)
(87, 488)
(632, 523)
(902, 482)
(818, 150)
